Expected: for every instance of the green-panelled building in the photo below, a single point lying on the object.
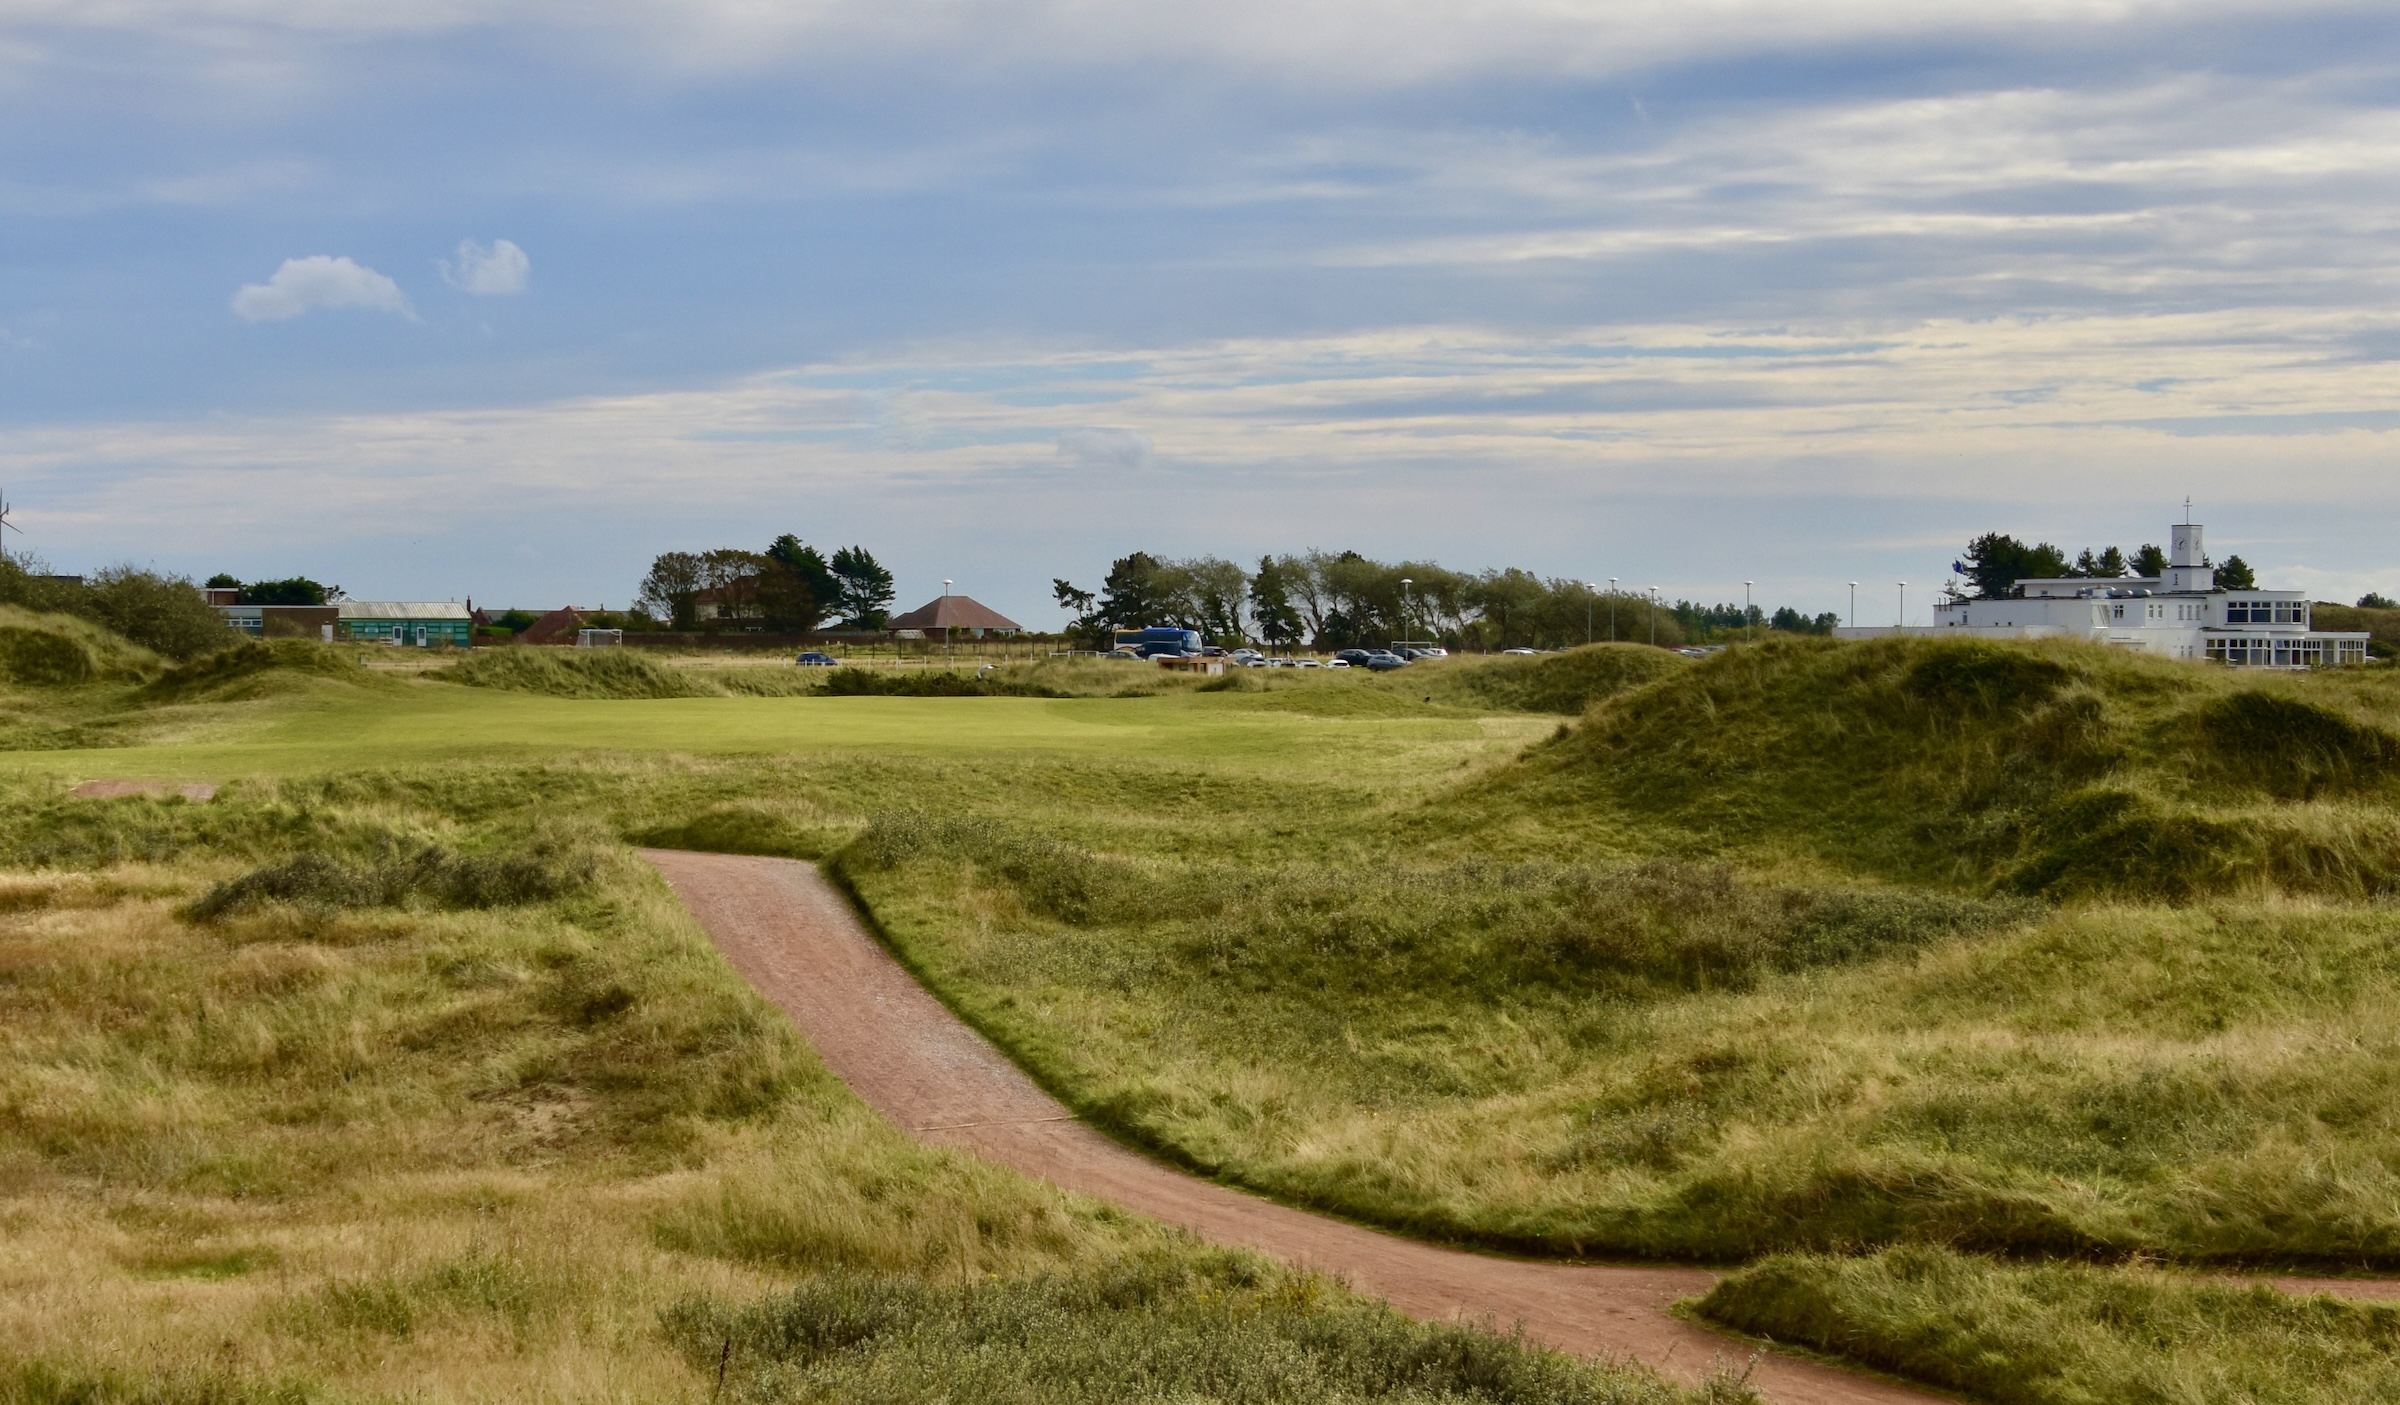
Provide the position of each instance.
(410, 624)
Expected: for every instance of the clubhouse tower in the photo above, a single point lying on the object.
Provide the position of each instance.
(2181, 614)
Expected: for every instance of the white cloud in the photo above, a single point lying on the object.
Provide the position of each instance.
(318, 281)
(497, 268)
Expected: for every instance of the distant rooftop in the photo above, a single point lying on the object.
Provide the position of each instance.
(402, 610)
(955, 612)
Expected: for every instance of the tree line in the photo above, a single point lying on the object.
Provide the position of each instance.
(1340, 600)
(1996, 561)
(791, 587)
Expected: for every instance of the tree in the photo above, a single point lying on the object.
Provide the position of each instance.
(2373, 600)
(800, 563)
(1213, 591)
(221, 581)
(862, 587)
(1131, 594)
(668, 591)
(1271, 608)
(2105, 565)
(1791, 621)
(1078, 603)
(2236, 574)
(298, 590)
(161, 613)
(2150, 562)
(1995, 562)
(734, 577)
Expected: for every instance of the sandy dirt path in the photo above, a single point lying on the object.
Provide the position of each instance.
(795, 938)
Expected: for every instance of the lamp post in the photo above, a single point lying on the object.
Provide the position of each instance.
(1587, 613)
(948, 649)
(1903, 624)
(1854, 604)
(1404, 625)
(1654, 617)
(1749, 620)
(1612, 609)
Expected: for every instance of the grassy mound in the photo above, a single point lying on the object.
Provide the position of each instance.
(256, 668)
(1566, 683)
(575, 673)
(2046, 768)
(54, 651)
(2064, 1335)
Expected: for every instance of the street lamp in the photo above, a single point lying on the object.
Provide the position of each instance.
(1854, 604)
(1587, 612)
(947, 647)
(1749, 619)
(1903, 624)
(1404, 626)
(1612, 609)
(1654, 617)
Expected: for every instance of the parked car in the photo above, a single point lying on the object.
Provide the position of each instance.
(1355, 658)
(1340, 663)
(1247, 658)
(1520, 651)
(1304, 663)
(1384, 662)
(813, 659)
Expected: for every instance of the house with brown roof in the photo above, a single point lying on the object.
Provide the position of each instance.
(958, 614)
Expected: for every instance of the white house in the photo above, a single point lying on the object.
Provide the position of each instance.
(2181, 614)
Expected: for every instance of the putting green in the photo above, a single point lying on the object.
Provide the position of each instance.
(333, 727)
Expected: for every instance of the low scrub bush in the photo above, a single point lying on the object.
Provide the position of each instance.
(2064, 1334)
(1148, 1329)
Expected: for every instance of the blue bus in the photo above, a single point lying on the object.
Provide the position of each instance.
(1156, 640)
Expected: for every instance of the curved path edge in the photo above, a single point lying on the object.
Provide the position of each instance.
(795, 938)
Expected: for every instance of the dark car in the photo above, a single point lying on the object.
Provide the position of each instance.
(1356, 658)
(813, 659)
(1382, 662)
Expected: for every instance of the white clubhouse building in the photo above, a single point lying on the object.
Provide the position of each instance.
(2181, 614)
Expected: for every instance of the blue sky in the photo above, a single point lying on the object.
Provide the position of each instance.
(500, 300)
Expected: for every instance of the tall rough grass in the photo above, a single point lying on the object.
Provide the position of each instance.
(2058, 1334)
(1152, 1328)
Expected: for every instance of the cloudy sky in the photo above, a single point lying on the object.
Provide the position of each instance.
(436, 299)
